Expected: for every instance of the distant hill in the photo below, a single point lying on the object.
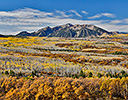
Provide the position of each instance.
(2, 35)
(116, 32)
(68, 30)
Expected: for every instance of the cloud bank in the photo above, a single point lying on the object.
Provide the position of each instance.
(27, 19)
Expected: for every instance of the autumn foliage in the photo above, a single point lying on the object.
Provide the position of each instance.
(62, 88)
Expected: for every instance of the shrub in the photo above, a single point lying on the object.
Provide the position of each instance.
(90, 74)
(99, 75)
(6, 72)
(32, 74)
(76, 76)
(115, 75)
(109, 74)
(20, 74)
(81, 73)
(122, 71)
(12, 73)
(124, 75)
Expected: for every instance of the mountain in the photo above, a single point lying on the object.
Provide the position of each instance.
(24, 33)
(116, 32)
(68, 30)
(2, 35)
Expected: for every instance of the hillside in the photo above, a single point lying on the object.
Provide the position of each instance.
(68, 30)
(2, 35)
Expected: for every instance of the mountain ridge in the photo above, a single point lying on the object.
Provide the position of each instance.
(69, 30)
(2, 35)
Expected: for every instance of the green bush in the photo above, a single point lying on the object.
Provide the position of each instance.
(115, 75)
(120, 53)
(20, 74)
(81, 73)
(124, 75)
(90, 74)
(122, 71)
(99, 75)
(6, 72)
(76, 76)
(12, 73)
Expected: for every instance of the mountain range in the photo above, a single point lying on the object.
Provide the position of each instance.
(2, 35)
(69, 30)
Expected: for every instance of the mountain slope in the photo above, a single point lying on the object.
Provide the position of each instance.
(68, 30)
(2, 35)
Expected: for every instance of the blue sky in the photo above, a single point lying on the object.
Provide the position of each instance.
(31, 15)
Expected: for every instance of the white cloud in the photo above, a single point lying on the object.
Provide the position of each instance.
(96, 16)
(101, 15)
(108, 15)
(115, 21)
(28, 19)
(125, 21)
(25, 13)
(114, 27)
(75, 12)
(84, 12)
(62, 14)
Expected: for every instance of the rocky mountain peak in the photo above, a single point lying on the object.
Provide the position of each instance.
(47, 28)
(69, 24)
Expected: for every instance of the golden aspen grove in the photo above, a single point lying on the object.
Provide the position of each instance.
(56, 68)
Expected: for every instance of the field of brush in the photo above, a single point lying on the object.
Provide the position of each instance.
(46, 61)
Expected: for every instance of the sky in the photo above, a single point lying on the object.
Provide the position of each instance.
(31, 15)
